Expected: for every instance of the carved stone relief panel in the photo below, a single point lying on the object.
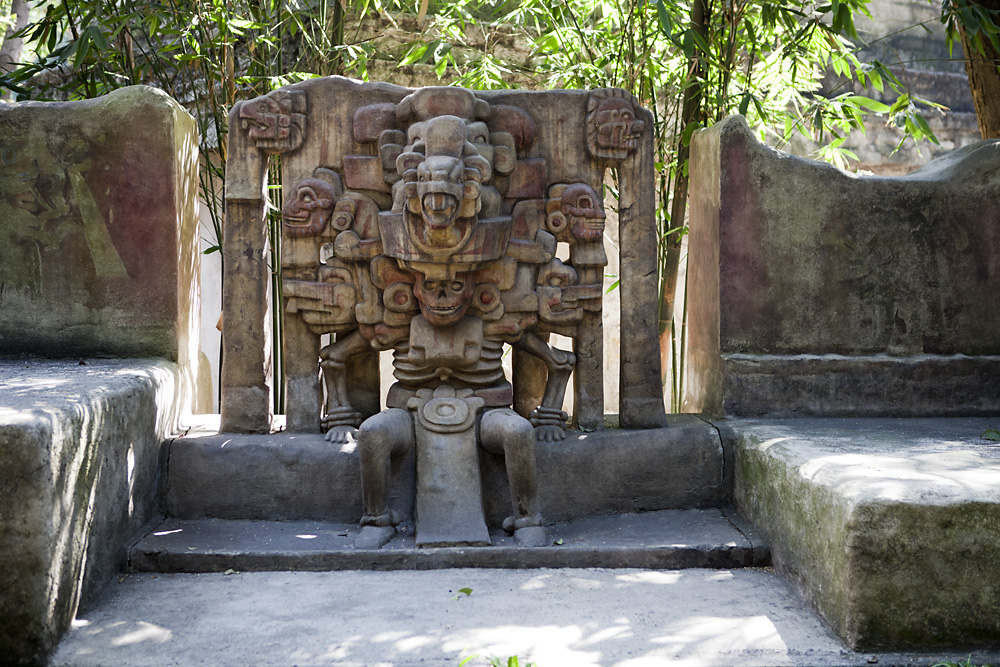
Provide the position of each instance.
(426, 223)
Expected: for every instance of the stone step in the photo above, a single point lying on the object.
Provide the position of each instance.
(668, 539)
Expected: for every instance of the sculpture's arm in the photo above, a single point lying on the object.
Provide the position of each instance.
(549, 417)
(340, 420)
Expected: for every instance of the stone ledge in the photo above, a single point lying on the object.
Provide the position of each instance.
(669, 539)
(289, 476)
(833, 385)
(80, 464)
(889, 527)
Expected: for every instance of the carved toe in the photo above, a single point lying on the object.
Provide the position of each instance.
(374, 537)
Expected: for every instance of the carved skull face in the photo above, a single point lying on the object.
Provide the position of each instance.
(553, 306)
(617, 128)
(444, 302)
(583, 211)
(264, 118)
(275, 122)
(306, 212)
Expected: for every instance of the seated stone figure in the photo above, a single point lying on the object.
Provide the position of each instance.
(432, 231)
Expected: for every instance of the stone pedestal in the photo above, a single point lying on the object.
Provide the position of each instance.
(449, 502)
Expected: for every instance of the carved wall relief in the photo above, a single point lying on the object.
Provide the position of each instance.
(612, 128)
(276, 122)
(427, 223)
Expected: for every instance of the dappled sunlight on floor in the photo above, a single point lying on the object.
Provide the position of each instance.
(569, 617)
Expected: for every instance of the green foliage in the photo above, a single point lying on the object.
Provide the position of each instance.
(493, 661)
(991, 434)
(979, 22)
(964, 663)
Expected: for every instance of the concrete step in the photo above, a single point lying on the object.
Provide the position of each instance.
(552, 617)
(668, 539)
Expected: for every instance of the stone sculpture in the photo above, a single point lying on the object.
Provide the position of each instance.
(426, 223)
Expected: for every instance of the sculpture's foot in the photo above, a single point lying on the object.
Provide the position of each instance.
(531, 536)
(374, 537)
(528, 530)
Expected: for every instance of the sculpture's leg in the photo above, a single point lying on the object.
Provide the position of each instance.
(381, 438)
(340, 418)
(503, 431)
(548, 418)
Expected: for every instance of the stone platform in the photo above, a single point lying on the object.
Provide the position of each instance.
(81, 450)
(668, 539)
(890, 527)
(294, 476)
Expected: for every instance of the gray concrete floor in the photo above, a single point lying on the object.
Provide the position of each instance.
(554, 617)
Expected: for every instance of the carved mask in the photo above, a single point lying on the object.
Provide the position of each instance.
(264, 118)
(444, 302)
(307, 211)
(617, 128)
(275, 122)
(583, 211)
(442, 173)
(553, 306)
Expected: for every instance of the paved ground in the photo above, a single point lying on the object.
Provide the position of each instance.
(555, 617)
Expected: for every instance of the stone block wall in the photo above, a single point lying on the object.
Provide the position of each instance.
(98, 258)
(816, 291)
(99, 229)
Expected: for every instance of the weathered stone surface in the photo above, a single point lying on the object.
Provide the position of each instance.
(808, 259)
(80, 468)
(99, 228)
(290, 476)
(891, 528)
(862, 386)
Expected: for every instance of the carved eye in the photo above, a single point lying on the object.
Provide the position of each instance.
(262, 106)
(584, 202)
(479, 139)
(457, 286)
(306, 195)
(430, 285)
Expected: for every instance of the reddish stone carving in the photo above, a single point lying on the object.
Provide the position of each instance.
(307, 211)
(276, 122)
(612, 129)
(443, 249)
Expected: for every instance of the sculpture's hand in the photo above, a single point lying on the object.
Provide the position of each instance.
(549, 433)
(340, 435)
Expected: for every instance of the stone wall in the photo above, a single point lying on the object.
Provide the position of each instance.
(98, 258)
(816, 291)
(99, 230)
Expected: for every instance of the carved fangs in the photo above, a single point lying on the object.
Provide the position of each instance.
(440, 209)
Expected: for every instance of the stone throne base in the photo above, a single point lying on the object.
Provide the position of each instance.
(295, 476)
(611, 498)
